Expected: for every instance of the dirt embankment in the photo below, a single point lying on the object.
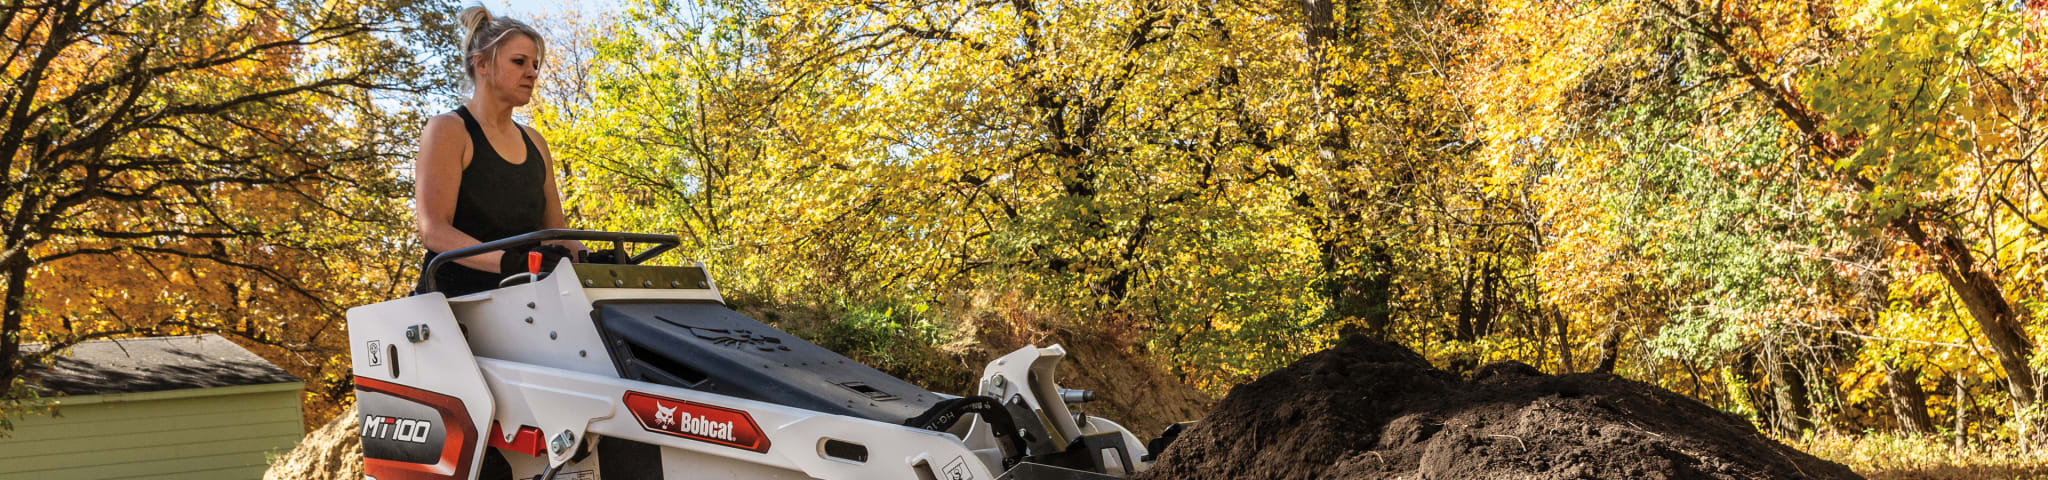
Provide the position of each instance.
(1369, 409)
(333, 452)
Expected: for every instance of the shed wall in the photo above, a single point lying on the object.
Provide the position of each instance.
(211, 437)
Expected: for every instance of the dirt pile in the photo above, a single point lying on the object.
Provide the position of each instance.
(1370, 409)
(333, 452)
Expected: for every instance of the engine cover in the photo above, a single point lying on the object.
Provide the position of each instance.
(707, 347)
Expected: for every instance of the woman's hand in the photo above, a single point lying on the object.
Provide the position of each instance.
(519, 259)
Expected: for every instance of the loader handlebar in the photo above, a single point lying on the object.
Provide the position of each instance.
(662, 244)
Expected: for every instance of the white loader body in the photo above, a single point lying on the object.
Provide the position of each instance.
(619, 371)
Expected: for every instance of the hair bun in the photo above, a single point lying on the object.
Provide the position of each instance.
(473, 16)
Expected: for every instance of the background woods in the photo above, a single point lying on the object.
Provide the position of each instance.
(1824, 216)
(196, 166)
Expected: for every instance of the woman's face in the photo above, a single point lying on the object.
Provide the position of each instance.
(510, 76)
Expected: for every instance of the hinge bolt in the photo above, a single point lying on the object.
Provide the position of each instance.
(562, 442)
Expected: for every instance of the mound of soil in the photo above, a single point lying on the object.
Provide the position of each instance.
(1370, 409)
(333, 452)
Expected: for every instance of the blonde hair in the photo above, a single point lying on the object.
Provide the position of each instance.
(482, 34)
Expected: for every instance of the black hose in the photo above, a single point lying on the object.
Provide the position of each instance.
(943, 415)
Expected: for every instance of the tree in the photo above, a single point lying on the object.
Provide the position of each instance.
(1892, 139)
(1865, 147)
(1174, 170)
(200, 166)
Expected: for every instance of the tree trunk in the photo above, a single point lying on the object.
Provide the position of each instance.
(1358, 295)
(1908, 401)
(1354, 293)
(10, 326)
(1610, 347)
(1987, 305)
(1754, 394)
(1962, 403)
(1793, 407)
(1373, 295)
(1561, 326)
(1462, 331)
(1319, 23)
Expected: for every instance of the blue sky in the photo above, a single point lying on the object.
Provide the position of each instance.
(525, 9)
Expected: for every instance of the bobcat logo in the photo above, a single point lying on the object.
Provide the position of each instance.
(664, 417)
(696, 421)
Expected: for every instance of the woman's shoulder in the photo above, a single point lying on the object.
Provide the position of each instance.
(448, 117)
(533, 134)
(446, 124)
(530, 132)
(446, 134)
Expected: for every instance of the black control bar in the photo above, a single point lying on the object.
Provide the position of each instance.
(662, 244)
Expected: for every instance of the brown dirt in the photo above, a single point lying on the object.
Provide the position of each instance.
(333, 452)
(1370, 409)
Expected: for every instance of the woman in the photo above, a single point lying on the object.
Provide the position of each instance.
(480, 176)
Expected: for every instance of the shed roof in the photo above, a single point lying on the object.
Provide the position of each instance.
(153, 364)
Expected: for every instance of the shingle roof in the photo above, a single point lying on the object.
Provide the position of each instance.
(155, 364)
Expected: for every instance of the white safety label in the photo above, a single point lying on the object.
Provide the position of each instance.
(957, 470)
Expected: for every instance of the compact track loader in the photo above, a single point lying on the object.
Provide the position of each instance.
(630, 371)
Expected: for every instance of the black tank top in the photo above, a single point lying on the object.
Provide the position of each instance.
(496, 199)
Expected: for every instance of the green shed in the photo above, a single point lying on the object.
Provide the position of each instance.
(158, 408)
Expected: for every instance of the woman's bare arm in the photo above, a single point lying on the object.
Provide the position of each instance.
(437, 178)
